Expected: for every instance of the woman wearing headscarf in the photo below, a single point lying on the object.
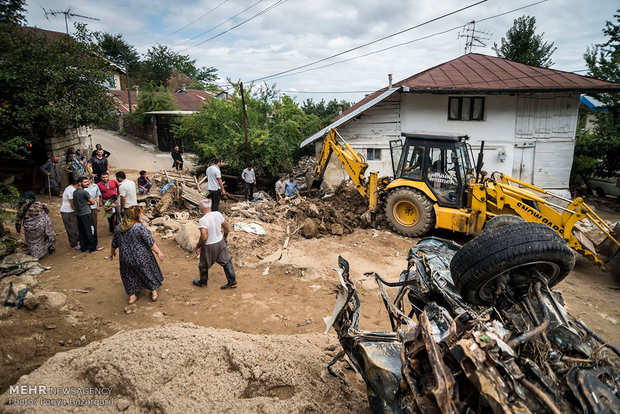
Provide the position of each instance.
(77, 168)
(139, 269)
(38, 230)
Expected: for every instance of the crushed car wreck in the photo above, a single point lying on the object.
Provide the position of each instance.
(478, 329)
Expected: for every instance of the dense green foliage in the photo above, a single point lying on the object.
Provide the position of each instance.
(522, 44)
(153, 98)
(117, 50)
(275, 130)
(47, 87)
(160, 65)
(325, 112)
(160, 61)
(597, 153)
(13, 11)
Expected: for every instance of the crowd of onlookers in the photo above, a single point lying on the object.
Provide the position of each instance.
(92, 192)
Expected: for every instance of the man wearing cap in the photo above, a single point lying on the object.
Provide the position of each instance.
(52, 181)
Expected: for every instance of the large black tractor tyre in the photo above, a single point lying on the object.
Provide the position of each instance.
(516, 254)
(410, 212)
(501, 221)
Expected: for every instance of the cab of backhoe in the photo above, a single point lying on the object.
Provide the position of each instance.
(442, 162)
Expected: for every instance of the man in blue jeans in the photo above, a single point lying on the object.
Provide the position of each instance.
(144, 183)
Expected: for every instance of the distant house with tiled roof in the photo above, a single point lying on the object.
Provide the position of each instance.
(526, 115)
(159, 128)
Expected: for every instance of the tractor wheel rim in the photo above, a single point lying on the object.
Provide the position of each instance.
(519, 277)
(406, 213)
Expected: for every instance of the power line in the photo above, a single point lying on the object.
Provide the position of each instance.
(373, 42)
(192, 22)
(266, 10)
(275, 76)
(224, 22)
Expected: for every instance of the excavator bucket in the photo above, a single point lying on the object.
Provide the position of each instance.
(611, 252)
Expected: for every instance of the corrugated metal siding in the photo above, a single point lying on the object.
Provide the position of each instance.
(553, 161)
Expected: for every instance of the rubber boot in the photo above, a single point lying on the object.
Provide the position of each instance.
(204, 277)
(230, 276)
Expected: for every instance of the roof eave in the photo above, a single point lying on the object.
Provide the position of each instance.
(513, 90)
(349, 116)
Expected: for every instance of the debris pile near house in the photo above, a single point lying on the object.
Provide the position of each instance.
(337, 214)
(176, 187)
(303, 172)
(305, 165)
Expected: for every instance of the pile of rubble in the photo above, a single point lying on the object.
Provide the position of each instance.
(336, 214)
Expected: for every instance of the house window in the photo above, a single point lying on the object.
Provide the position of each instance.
(111, 82)
(373, 154)
(465, 108)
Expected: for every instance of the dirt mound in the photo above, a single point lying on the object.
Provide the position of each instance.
(183, 367)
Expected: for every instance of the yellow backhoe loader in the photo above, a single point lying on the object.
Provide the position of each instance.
(436, 186)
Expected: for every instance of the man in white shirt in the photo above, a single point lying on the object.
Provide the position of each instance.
(69, 218)
(126, 191)
(212, 246)
(249, 176)
(214, 184)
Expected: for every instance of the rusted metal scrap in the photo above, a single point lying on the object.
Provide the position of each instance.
(525, 354)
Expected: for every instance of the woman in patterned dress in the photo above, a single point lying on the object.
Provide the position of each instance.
(139, 269)
(38, 230)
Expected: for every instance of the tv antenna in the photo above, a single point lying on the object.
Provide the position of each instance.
(473, 37)
(68, 14)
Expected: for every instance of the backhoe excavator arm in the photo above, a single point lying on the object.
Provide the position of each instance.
(352, 162)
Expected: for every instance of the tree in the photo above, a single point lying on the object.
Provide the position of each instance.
(13, 11)
(115, 48)
(598, 152)
(275, 130)
(153, 98)
(47, 87)
(326, 112)
(160, 63)
(522, 44)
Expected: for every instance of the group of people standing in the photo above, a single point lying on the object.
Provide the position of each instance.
(82, 201)
(76, 165)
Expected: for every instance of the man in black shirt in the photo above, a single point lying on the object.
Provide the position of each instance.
(100, 165)
(177, 159)
(86, 228)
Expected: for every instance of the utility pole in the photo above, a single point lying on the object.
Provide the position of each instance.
(473, 37)
(245, 126)
(128, 88)
(68, 14)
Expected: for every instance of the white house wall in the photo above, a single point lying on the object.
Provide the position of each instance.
(534, 134)
(427, 112)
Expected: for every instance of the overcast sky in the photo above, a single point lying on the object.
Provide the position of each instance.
(293, 33)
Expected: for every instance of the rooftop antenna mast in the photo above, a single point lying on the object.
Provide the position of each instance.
(68, 14)
(473, 37)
